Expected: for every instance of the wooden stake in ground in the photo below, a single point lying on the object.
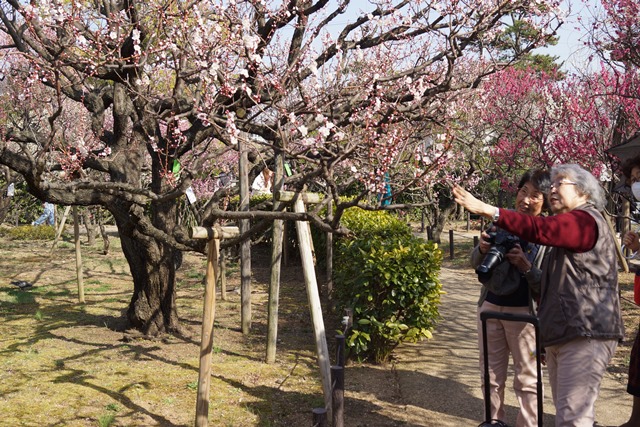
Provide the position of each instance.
(208, 315)
(306, 255)
(276, 261)
(76, 233)
(245, 246)
(60, 227)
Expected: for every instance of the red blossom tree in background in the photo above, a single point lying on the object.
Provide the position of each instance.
(615, 40)
(107, 98)
(539, 120)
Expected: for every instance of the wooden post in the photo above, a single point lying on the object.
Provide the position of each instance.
(329, 253)
(468, 221)
(223, 274)
(340, 349)
(285, 246)
(245, 246)
(208, 314)
(621, 257)
(320, 418)
(337, 395)
(76, 234)
(314, 302)
(63, 221)
(206, 338)
(276, 260)
(451, 244)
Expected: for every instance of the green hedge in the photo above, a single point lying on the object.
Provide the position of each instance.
(29, 232)
(389, 278)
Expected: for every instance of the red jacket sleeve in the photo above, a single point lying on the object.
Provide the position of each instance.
(576, 230)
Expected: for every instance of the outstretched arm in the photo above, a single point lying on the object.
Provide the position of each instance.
(472, 204)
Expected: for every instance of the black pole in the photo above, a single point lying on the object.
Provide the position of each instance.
(451, 244)
(320, 417)
(337, 395)
(340, 345)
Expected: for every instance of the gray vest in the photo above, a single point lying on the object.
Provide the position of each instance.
(579, 295)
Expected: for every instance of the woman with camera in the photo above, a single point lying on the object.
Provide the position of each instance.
(579, 310)
(510, 287)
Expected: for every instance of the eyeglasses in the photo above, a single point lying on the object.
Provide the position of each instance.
(560, 183)
(533, 195)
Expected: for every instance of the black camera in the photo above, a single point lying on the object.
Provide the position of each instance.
(501, 243)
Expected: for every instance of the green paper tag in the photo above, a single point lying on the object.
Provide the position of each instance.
(176, 168)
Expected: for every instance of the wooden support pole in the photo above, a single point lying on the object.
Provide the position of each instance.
(314, 303)
(307, 198)
(206, 341)
(223, 274)
(76, 234)
(61, 227)
(276, 261)
(621, 256)
(213, 234)
(245, 246)
(329, 254)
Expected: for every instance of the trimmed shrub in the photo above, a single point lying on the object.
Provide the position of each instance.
(389, 278)
(29, 232)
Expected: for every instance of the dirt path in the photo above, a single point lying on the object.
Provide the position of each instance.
(438, 381)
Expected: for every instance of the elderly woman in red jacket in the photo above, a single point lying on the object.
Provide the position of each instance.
(579, 311)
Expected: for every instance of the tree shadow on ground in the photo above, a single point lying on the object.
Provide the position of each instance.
(413, 398)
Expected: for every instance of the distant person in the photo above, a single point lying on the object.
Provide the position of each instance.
(385, 197)
(631, 171)
(47, 217)
(263, 183)
(511, 288)
(579, 310)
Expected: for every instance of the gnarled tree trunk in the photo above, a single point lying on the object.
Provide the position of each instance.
(152, 309)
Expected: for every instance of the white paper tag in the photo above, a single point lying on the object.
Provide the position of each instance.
(191, 196)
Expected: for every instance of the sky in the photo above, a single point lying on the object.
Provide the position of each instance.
(572, 35)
